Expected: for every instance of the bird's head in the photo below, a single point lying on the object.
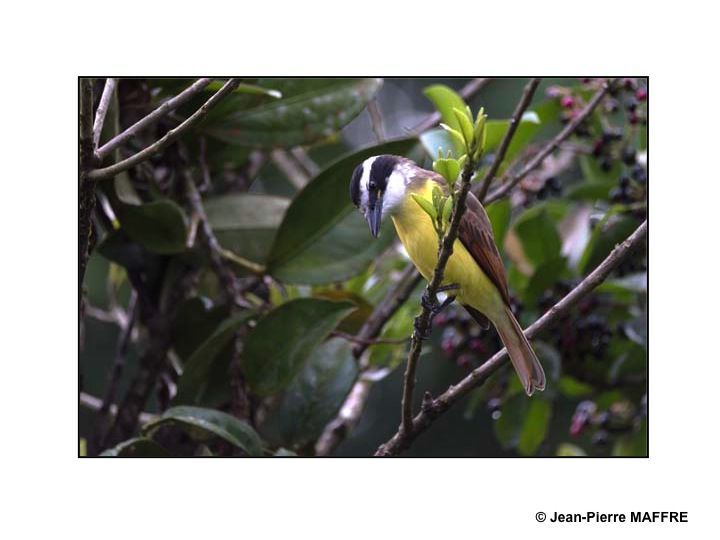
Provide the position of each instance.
(378, 186)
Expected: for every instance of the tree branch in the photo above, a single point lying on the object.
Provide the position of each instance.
(102, 110)
(170, 137)
(87, 186)
(433, 408)
(422, 322)
(151, 118)
(505, 144)
(513, 179)
(337, 429)
(240, 400)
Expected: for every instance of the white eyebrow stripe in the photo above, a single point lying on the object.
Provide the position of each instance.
(367, 167)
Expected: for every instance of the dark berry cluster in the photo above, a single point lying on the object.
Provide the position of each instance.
(620, 417)
(583, 333)
(463, 340)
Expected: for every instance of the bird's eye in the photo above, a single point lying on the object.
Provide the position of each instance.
(372, 185)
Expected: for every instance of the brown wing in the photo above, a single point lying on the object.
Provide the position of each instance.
(475, 232)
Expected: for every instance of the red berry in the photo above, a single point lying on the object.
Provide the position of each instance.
(448, 346)
(634, 118)
(477, 345)
(641, 94)
(567, 101)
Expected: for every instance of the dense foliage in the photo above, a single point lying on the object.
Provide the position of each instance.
(229, 273)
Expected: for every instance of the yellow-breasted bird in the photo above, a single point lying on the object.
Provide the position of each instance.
(382, 186)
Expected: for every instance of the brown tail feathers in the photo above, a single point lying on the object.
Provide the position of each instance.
(522, 356)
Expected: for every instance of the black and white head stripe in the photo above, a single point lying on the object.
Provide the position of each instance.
(355, 185)
(379, 178)
(380, 170)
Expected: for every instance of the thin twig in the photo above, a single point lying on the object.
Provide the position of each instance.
(170, 137)
(368, 342)
(240, 400)
(290, 168)
(102, 110)
(120, 353)
(376, 120)
(515, 120)
(433, 408)
(150, 119)
(305, 161)
(513, 179)
(95, 404)
(422, 322)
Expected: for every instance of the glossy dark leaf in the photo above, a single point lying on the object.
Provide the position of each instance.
(535, 426)
(315, 395)
(539, 236)
(160, 226)
(137, 447)
(202, 424)
(193, 380)
(508, 427)
(246, 223)
(322, 237)
(300, 119)
(603, 240)
(499, 214)
(277, 348)
(545, 276)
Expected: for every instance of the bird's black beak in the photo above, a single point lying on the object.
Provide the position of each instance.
(374, 214)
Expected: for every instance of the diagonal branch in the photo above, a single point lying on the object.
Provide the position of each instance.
(102, 110)
(170, 137)
(151, 118)
(434, 408)
(513, 179)
(515, 120)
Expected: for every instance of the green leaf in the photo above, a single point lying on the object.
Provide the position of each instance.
(246, 223)
(494, 132)
(591, 191)
(322, 237)
(634, 444)
(301, 119)
(445, 99)
(137, 447)
(466, 126)
(458, 141)
(202, 424)
(509, 426)
(604, 239)
(315, 395)
(447, 210)
(193, 380)
(160, 226)
(539, 237)
(572, 388)
(276, 349)
(196, 319)
(535, 427)
(244, 88)
(499, 214)
(544, 276)
(426, 205)
(569, 450)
